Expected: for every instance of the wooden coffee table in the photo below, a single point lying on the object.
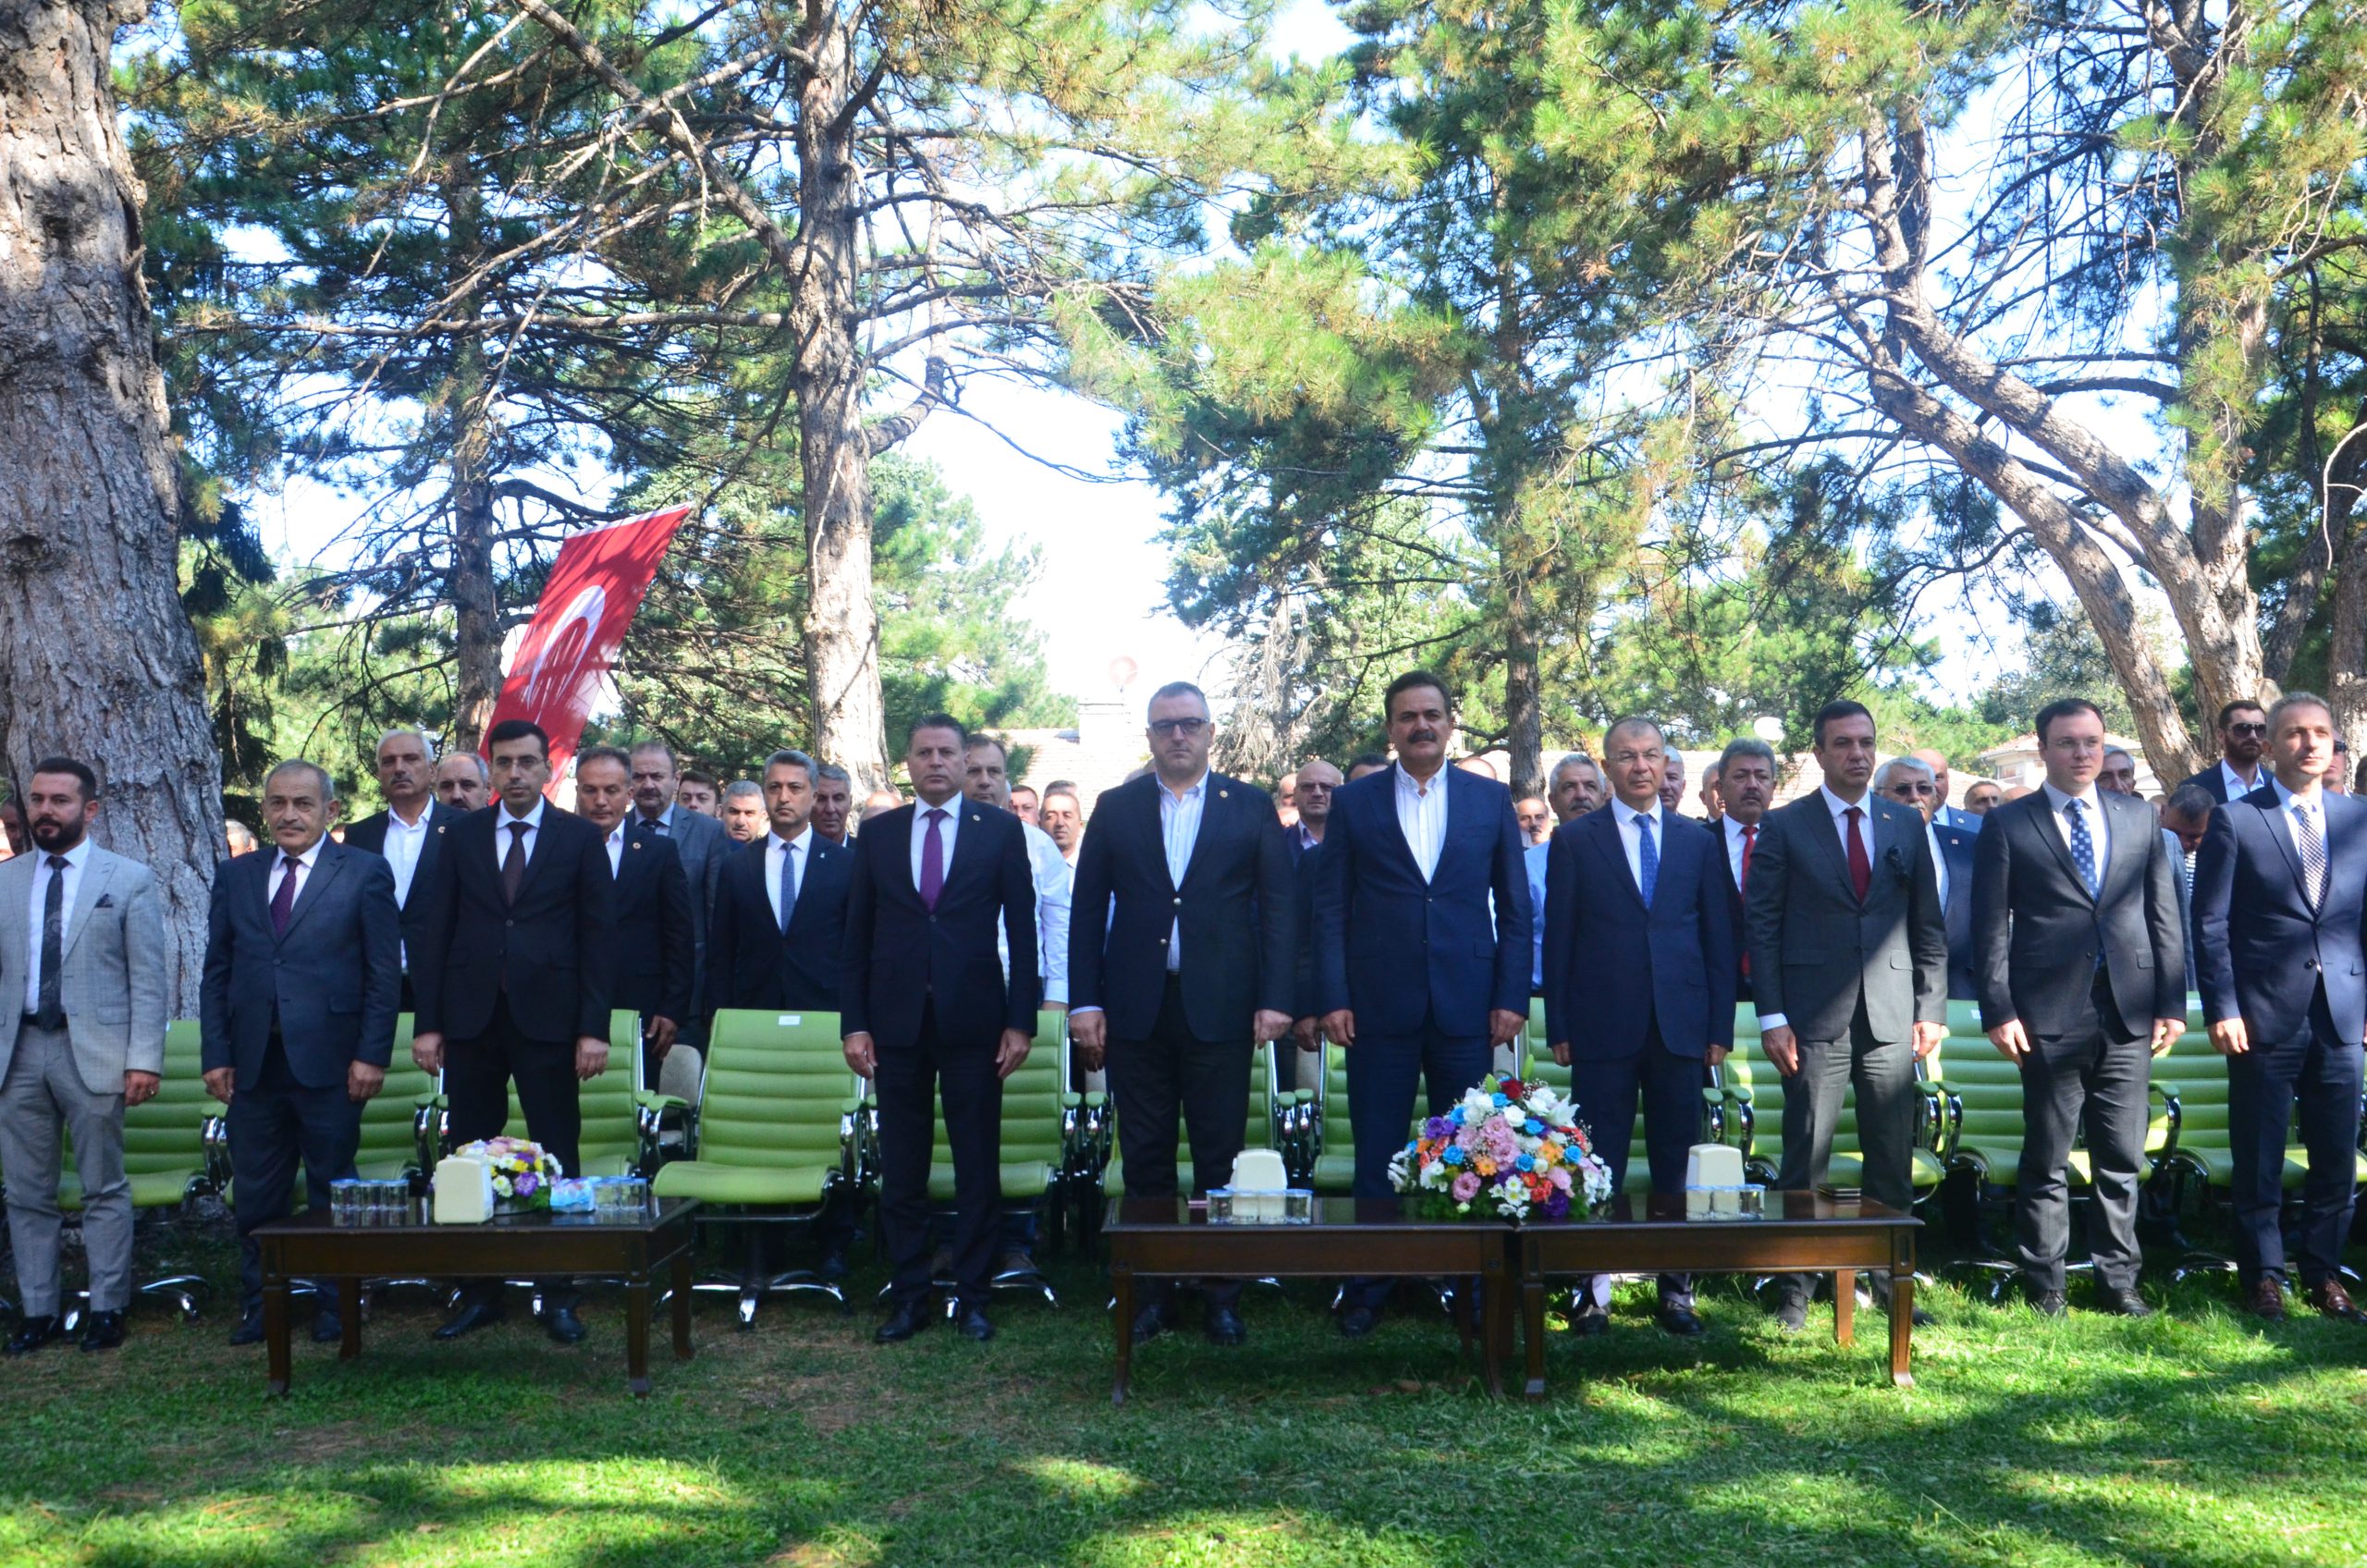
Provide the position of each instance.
(1173, 1238)
(1800, 1233)
(510, 1246)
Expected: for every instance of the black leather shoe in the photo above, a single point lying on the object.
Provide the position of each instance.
(2127, 1304)
(1224, 1326)
(34, 1332)
(1359, 1321)
(833, 1267)
(250, 1329)
(1682, 1321)
(327, 1327)
(909, 1318)
(1589, 1321)
(472, 1315)
(2050, 1304)
(974, 1324)
(102, 1330)
(1792, 1315)
(1152, 1321)
(561, 1324)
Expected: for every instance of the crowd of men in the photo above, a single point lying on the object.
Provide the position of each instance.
(1405, 911)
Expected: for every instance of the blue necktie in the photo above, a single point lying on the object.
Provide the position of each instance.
(1648, 863)
(2083, 848)
(788, 885)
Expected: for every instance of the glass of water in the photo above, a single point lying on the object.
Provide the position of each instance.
(349, 1202)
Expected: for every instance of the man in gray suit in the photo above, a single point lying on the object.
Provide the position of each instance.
(303, 977)
(1849, 969)
(87, 929)
(700, 843)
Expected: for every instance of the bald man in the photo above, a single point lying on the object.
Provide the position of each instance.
(1947, 816)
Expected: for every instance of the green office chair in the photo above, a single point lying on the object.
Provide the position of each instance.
(164, 1157)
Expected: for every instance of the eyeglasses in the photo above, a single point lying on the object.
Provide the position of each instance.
(2248, 730)
(1904, 788)
(1178, 727)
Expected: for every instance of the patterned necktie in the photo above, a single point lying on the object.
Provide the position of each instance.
(2083, 847)
(1648, 859)
(283, 902)
(2311, 838)
(513, 865)
(1861, 867)
(1749, 842)
(933, 859)
(52, 1011)
(787, 884)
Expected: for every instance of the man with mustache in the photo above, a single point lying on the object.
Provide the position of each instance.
(410, 832)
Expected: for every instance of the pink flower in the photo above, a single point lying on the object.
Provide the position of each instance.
(1467, 1187)
(1560, 1177)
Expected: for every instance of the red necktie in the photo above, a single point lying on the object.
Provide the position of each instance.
(1742, 881)
(1861, 870)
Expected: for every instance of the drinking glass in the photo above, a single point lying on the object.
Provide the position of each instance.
(349, 1202)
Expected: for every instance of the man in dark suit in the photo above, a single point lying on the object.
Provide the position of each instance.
(408, 833)
(1639, 968)
(922, 999)
(1747, 786)
(1183, 961)
(296, 1010)
(1849, 969)
(780, 908)
(699, 842)
(2278, 891)
(653, 906)
(2243, 736)
(2082, 965)
(514, 970)
(1318, 782)
(1418, 974)
(1911, 781)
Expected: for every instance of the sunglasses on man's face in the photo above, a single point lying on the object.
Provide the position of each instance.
(2248, 730)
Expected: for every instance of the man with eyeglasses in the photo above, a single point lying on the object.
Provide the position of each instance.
(1911, 781)
(2243, 736)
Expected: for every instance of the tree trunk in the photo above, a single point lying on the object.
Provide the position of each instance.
(476, 605)
(1524, 700)
(99, 662)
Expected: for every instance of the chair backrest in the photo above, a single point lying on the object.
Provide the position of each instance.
(776, 1086)
(1033, 1129)
(390, 1142)
(609, 1144)
(168, 1133)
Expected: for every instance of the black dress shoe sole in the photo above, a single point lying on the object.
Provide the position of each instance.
(460, 1330)
(980, 1332)
(247, 1334)
(93, 1346)
(1685, 1327)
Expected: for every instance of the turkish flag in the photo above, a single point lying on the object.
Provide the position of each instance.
(595, 585)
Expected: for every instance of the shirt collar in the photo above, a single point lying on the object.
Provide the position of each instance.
(395, 822)
(615, 834)
(2227, 772)
(308, 860)
(1199, 787)
(2057, 799)
(2285, 797)
(804, 838)
(1836, 805)
(76, 856)
(1409, 786)
(664, 819)
(1734, 831)
(1627, 813)
(533, 819)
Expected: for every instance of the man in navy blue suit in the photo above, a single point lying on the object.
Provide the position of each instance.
(656, 953)
(922, 999)
(1639, 981)
(2278, 886)
(1911, 781)
(1183, 959)
(1318, 782)
(780, 906)
(1418, 974)
(303, 974)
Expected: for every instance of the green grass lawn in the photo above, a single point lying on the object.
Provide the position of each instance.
(2192, 1439)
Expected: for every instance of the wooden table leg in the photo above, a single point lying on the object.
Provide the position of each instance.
(1532, 1320)
(1902, 1315)
(682, 1305)
(349, 1312)
(1844, 1306)
(275, 1329)
(1121, 1282)
(637, 1335)
(1494, 1282)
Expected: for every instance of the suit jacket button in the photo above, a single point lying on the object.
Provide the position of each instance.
(1179, 903)
(510, 923)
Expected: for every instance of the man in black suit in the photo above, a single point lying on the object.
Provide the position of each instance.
(1185, 959)
(516, 960)
(1850, 968)
(653, 906)
(780, 908)
(297, 1013)
(1423, 953)
(2243, 736)
(1745, 786)
(2279, 889)
(701, 843)
(1911, 781)
(408, 833)
(2081, 963)
(1318, 782)
(922, 999)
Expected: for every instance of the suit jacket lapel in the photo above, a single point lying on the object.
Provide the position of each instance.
(1824, 831)
(2272, 822)
(2041, 815)
(1613, 849)
(316, 884)
(543, 836)
(1396, 829)
(93, 887)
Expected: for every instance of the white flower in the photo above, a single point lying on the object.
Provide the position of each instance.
(501, 1185)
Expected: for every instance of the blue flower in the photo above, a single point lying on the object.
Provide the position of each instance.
(1455, 1116)
(1526, 1163)
(1532, 1126)
(1500, 1100)
(1453, 1156)
(1434, 1128)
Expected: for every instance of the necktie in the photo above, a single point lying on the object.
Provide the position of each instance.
(2083, 847)
(1861, 868)
(1749, 842)
(933, 859)
(52, 1012)
(1648, 858)
(513, 865)
(656, 823)
(283, 902)
(2313, 841)
(789, 884)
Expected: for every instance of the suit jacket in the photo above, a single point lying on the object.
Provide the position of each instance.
(332, 983)
(1735, 914)
(2184, 871)
(1817, 950)
(370, 834)
(553, 954)
(2262, 952)
(1957, 851)
(2038, 932)
(1615, 971)
(1235, 911)
(1302, 874)
(656, 966)
(751, 961)
(1403, 952)
(2215, 782)
(703, 846)
(1956, 817)
(899, 956)
(111, 974)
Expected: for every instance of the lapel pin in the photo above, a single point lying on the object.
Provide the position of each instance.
(1224, 794)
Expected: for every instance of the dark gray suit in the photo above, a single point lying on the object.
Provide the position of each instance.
(1851, 976)
(2086, 974)
(290, 1011)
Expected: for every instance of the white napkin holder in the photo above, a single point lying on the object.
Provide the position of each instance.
(463, 1190)
(1712, 1165)
(1258, 1182)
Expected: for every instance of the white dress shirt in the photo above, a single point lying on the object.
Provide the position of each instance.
(1839, 808)
(1631, 837)
(304, 864)
(2092, 813)
(796, 850)
(1421, 816)
(614, 844)
(404, 840)
(2287, 803)
(1054, 879)
(2233, 782)
(75, 858)
(946, 831)
(501, 834)
(1732, 832)
(1939, 861)
(1179, 826)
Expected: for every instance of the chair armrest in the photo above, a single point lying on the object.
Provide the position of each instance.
(656, 1115)
(2172, 1111)
(1734, 1120)
(216, 1136)
(431, 1131)
(1949, 1133)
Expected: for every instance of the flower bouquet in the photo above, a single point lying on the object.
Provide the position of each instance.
(522, 1172)
(1509, 1151)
